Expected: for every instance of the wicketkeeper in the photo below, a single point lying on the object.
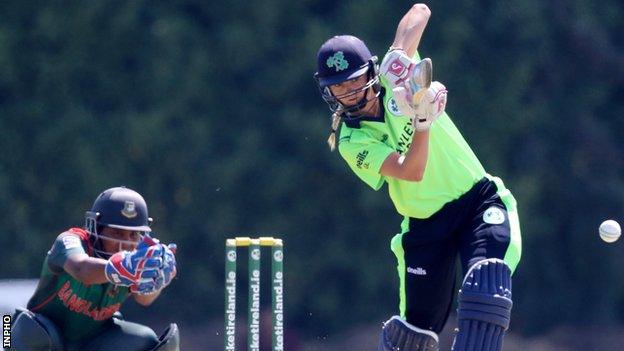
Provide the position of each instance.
(88, 273)
(390, 127)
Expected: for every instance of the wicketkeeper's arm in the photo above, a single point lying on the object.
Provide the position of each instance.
(411, 28)
(94, 270)
(146, 299)
(88, 270)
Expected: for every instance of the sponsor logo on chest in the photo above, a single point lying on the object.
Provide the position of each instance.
(405, 139)
(77, 304)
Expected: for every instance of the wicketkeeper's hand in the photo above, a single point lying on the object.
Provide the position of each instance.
(166, 271)
(131, 268)
(431, 106)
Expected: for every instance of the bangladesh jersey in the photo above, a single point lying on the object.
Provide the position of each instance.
(79, 310)
(452, 168)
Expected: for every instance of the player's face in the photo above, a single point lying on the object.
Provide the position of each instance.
(350, 92)
(115, 240)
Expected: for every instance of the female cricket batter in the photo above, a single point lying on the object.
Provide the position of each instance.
(393, 129)
(88, 273)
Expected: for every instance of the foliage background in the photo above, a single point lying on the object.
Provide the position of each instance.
(209, 110)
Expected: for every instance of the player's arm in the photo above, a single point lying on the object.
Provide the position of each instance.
(411, 28)
(88, 270)
(146, 299)
(411, 166)
(68, 254)
(136, 269)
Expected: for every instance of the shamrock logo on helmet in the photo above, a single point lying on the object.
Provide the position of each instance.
(338, 61)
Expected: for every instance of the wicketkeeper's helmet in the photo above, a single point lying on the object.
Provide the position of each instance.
(120, 208)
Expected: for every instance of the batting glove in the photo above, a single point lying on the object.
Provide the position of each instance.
(408, 79)
(431, 106)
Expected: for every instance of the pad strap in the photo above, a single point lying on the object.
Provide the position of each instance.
(484, 308)
(494, 309)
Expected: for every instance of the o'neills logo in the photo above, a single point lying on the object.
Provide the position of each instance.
(79, 305)
(360, 159)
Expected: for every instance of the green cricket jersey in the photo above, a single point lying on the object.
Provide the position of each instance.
(452, 168)
(78, 310)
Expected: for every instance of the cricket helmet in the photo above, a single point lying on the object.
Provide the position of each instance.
(120, 208)
(342, 58)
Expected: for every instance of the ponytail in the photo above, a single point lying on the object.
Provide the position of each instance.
(336, 119)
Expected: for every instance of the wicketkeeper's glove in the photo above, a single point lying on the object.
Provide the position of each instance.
(168, 269)
(137, 268)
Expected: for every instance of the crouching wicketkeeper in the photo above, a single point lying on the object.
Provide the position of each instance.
(88, 273)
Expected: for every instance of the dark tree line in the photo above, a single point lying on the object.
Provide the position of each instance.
(210, 110)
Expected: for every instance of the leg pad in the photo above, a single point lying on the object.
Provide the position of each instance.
(397, 334)
(169, 340)
(34, 332)
(484, 307)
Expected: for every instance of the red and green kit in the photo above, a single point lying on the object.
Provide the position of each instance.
(79, 310)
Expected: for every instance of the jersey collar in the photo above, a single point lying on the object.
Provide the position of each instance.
(355, 122)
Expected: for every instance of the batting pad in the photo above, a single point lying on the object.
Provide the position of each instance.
(397, 334)
(169, 340)
(484, 308)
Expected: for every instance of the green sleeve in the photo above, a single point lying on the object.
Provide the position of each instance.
(65, 245)
(365, 155)
(416, 56)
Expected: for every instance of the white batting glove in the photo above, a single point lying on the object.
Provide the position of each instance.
(408, 79)
(431, 107)
(395, 66)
